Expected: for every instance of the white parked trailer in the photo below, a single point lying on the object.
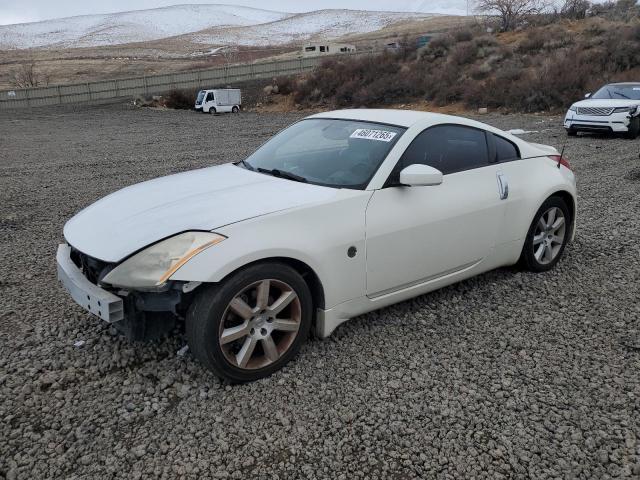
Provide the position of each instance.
(317, 49)
(223, 100)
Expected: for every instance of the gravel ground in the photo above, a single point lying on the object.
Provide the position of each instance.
(509, 374)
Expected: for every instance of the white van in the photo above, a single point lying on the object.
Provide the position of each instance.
(219, 101)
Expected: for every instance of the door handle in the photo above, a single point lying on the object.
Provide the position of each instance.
(503, 186)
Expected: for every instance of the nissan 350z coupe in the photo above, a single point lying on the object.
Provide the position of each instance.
(340, 214)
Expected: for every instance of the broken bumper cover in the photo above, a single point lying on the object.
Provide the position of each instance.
(92, 298)
(588, 123)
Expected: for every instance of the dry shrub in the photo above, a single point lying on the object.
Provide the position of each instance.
(437, 48)
(463, 35)
(533, 43)
(285, 84)
(180, 99)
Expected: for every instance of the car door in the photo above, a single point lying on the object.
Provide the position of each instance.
(416, 234)
(209, 101)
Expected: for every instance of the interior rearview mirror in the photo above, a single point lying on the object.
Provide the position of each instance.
(417, 175)
(587, 95)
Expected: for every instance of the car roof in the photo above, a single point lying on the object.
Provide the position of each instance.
(410, 118)
(401, 118)
(407, 118)
(624, 83)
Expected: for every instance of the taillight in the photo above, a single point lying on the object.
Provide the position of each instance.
(560, 160)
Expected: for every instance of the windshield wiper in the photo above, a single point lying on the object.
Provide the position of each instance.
(282, 174)
(246, 165)
(622, 95)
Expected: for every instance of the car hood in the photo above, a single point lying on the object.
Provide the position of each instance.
(606, 103)
(130, 219)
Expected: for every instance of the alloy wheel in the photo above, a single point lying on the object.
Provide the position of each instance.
(260, 324)
(549, 235)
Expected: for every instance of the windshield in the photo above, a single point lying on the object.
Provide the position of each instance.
(630, 92)
(335, 153)
(200, 96)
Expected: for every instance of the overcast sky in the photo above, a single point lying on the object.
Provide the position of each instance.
(21, 11)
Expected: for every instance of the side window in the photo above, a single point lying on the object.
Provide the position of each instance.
(505, 150)
(210, 97)
(449, 148)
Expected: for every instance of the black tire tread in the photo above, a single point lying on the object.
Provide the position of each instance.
(199, 319)
(634, 129)
(527, 260)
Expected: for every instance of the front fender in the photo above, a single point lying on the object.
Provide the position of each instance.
(320, 236)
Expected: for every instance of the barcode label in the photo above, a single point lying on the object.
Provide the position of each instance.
(378, 135)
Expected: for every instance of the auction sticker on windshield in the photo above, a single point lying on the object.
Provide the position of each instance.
(368, 134)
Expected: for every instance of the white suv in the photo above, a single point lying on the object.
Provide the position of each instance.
(615, 108)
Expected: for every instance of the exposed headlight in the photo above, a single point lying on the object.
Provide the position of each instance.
(573, 108)
(624, 109)
(154, 265)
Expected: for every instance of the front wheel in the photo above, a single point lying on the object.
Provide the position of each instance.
(213, 111)
(547, 236)
(571, 132)
(634, 128)
(252, 324)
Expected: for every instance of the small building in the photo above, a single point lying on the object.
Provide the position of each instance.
(318, 49)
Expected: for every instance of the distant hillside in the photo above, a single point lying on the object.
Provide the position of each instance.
(538, 68)
(207, 24)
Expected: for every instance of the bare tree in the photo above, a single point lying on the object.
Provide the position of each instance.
(511, 12)
(576, 9)
(230, 55)
(26, 76)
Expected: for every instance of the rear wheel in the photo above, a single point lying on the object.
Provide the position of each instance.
(235, 109)
(547, 236)
(634, 128)
(252, 324)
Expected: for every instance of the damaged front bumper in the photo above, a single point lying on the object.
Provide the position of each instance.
(93, 299)
(614, 123)
(138, 315)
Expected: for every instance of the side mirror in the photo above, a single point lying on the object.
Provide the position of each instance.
(587, 95)
(418, 175)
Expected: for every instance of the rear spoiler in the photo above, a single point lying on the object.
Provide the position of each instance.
(544, 149)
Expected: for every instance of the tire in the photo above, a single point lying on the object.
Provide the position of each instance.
(542, 256)
(258, 342)
(213, 111)
(571, 132)
(235, 109)
(634, 129)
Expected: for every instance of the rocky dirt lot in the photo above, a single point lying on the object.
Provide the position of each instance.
(508, 375)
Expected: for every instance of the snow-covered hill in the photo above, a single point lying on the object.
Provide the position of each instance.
(209, 24)
(134, 26)
(324, 24)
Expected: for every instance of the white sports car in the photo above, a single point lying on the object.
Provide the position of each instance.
(615, 108)
(340, 214)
